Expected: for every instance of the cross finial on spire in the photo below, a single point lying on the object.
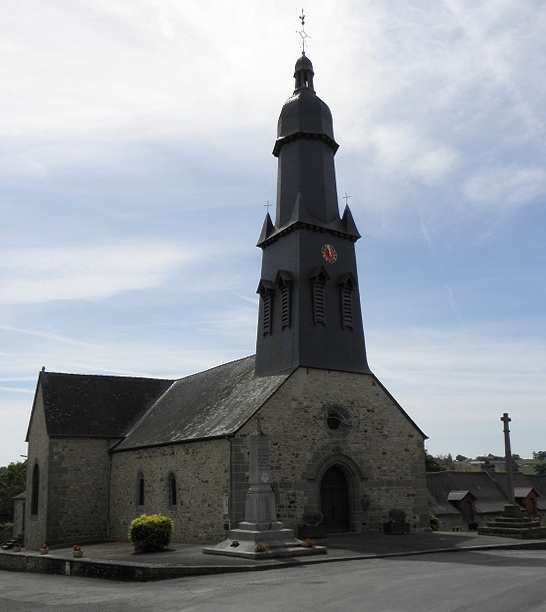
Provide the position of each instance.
(302, 32)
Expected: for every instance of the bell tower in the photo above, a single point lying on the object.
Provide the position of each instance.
(309, 312)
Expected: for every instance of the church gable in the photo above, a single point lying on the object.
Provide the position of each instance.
(320, 422)
(208, 404)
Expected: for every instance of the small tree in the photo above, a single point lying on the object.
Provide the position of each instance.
(12, 482)
(540, 468)
(433, 520)
(150, 532)
(434, 464)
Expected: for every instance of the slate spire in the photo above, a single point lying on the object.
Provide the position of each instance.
(309, 304)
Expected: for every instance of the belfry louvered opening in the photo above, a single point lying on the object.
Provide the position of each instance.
(319, 279)
(347, 284)
(284, 283)
(265, 290)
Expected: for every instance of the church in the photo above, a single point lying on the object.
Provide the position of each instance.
(105, 449)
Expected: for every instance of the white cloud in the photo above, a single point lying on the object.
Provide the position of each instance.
(32, 276)
(457, 383)
(403, 150)
(505, 187)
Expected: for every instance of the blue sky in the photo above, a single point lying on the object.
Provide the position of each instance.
(135, 166)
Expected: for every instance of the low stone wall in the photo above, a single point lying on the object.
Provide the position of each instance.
(107, 570)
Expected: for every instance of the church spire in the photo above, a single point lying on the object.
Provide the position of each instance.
(305, 148)
(309, 303)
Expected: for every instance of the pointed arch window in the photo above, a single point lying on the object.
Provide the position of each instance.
(284, 283)
(140, 489)
(318, 284)
(265, 290)
(173, 497)
(347, 283)
(35, 490)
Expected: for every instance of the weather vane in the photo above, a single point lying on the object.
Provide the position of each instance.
(302, 32)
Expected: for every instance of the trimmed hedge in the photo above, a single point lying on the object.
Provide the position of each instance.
(150, 532)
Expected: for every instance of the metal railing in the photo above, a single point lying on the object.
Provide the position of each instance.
(6, 534)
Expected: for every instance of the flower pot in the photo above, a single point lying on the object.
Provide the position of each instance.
(77, 553)
(44, 551)
(391, 528)
(16, 549)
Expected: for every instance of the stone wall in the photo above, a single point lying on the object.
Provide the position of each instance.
(78, 490)
(378, 448)
(19, 518)
(35, 524)
(201, 470)
(73, 492)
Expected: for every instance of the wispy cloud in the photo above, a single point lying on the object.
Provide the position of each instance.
(507, 187)
(404, 150)
(84, 273)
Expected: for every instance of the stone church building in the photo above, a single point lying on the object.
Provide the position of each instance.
(105, 449)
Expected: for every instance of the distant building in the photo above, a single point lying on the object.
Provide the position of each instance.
(104, 449)
(468, 500)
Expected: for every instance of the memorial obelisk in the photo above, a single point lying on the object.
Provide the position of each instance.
(261, 535)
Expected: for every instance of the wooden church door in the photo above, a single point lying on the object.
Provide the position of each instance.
(334, 500)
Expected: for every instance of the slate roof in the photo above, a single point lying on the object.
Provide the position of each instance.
(538, 482)
(85, 405)
(489, 491)
(489, 496)
(528, 481)
(458, 495)
(209, 404)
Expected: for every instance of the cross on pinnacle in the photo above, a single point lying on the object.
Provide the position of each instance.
(302, 32)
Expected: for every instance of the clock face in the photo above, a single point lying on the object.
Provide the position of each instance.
(329, 254)
(265, 477)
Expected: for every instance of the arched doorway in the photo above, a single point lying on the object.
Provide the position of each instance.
(334, 500)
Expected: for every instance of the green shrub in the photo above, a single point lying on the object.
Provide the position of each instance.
(150, 532)
(433, 520)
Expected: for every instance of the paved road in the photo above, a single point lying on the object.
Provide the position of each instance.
(484, 581)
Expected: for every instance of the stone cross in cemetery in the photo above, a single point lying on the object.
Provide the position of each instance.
(508, 458)
(512, 523)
